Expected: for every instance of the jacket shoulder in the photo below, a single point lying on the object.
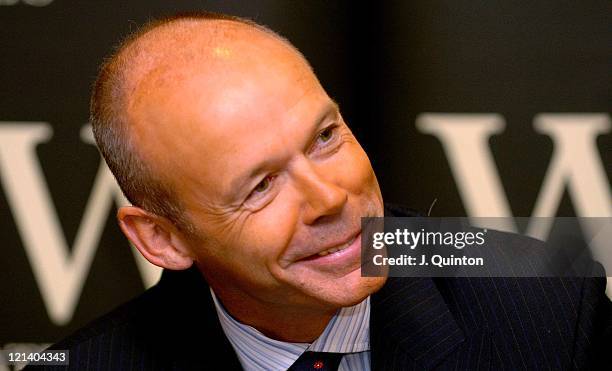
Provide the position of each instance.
(537, 322)
(123, 316)
(155, 330)
(112, 340)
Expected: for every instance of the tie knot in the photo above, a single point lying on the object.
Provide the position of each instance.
(317, 361)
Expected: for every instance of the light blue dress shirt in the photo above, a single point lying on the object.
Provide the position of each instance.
(347, 332)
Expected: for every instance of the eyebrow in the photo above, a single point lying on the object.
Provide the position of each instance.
(239, 182)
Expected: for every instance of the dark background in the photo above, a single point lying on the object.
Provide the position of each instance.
(383, 63)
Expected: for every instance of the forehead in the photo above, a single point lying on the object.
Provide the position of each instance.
(205, 117)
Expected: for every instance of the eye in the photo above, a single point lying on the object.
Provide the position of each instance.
(262, 186)
(327, 134)
(326, 138)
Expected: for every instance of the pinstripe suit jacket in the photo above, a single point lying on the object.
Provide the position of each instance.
(416, 324)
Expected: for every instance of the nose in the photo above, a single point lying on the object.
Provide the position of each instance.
(323, 198)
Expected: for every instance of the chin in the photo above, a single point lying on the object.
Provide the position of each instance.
(347, 294)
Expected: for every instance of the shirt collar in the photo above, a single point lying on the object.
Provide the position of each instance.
(347, 332)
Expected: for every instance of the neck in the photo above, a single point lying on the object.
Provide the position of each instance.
(279, 322)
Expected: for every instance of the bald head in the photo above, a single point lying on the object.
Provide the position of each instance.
(138, 84)
(172, 51)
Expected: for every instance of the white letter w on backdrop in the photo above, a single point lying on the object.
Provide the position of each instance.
(60, 275)
(575, 164)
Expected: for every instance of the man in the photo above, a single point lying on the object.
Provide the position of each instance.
(248, 187)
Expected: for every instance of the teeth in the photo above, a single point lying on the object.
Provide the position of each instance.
(336, 249)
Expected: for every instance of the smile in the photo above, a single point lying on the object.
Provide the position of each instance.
(338, 248)
(337, 260)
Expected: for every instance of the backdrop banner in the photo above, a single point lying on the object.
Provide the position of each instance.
(465, 109)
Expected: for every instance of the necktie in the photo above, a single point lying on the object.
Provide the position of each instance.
(317, 361)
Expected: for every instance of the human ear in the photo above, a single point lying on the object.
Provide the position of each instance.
(157, 239)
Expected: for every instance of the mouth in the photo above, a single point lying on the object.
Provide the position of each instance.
(338, 257)
(335, 249)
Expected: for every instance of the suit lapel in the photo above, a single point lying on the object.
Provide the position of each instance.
(191, 328)
(411, 326)
(473, 354)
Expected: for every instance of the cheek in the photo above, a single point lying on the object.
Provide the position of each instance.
(250, 256)
(354, 171)
(269, 231)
